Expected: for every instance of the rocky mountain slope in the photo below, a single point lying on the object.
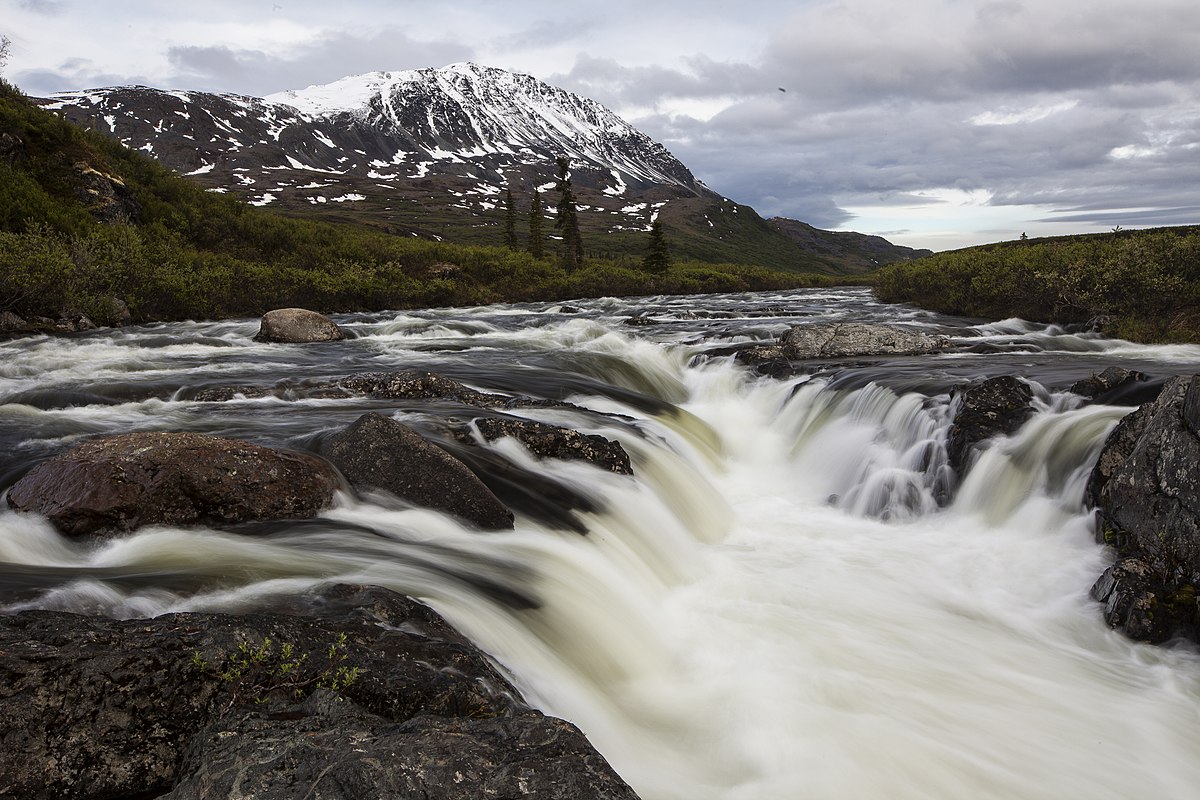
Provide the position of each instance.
(431, 153)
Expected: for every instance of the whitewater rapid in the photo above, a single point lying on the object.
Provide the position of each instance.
(781, 603)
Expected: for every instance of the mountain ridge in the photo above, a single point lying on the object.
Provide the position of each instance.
(430, 153)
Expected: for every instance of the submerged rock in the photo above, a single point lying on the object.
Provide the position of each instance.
(354, 692)
(996, 407)
(377, 452)
(553, 441)
(297, 325)
(122, 482)
(1146, 488)
(1116, 385)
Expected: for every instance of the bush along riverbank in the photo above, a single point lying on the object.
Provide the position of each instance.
(1138, 285)
(93, 232)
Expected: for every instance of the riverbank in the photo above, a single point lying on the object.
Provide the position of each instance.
(1139, 285)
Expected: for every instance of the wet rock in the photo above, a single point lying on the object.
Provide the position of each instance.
(417, 385)
(73, 323)
(95, 707)
(842, 340)
(1146, 489)
(553, 441)
(335, 751)
(297, 325)
(996, 407)
(119, 483)
(11, 323)
(377, 452)
(1112, 385)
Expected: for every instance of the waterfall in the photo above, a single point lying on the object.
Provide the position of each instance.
(792, 597)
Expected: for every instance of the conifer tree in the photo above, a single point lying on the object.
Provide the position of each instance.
(567, 221)
(658, 256)
(510, 221)
(535, 226)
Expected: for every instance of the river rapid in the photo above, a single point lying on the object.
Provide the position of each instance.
(776, 605)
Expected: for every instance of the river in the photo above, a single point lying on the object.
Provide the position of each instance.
(775, 606)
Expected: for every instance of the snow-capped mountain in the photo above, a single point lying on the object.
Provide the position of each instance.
(431, 153)
(462, 134)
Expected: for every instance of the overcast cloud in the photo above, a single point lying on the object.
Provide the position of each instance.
(936, 123)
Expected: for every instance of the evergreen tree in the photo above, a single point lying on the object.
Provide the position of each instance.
(567, 222)
(535, 226)
(510, 221)
(658, 257)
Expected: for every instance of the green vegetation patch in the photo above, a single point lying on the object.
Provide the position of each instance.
(1139, 285)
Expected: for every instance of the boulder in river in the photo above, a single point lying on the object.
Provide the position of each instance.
(297, 325)
(378, 452)
(353, 692)
(1146, 488)
(843, 340)
(996, 407)
(122, 482)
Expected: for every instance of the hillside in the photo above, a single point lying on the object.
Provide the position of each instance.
(1142, 285)
(431, 153)
(90, 228)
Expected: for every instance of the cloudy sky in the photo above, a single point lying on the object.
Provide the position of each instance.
(935, 123)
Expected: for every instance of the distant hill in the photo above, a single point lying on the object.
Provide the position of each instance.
(856, 253)
(431, 153)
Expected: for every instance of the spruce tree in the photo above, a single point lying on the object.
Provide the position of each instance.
(658, 256)
(510, 221)
(535, 226)
(567, 222)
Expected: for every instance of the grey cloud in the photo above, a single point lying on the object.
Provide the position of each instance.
(614, 84)
(333, 56)
(48, 7)
(75, 72)
(942, 51)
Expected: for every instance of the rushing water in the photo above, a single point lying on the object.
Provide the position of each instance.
(780, 604)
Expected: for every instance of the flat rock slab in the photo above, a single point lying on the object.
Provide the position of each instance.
(118, 483)
(842, 340)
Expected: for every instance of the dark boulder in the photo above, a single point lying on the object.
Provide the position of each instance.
(1146, 488)
(118, 483)
(996, 407)
(331, 684)
(377, 452)
(553, 441)
(1116, 385)
(297, 325)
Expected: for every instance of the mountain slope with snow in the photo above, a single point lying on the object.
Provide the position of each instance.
(431, 153)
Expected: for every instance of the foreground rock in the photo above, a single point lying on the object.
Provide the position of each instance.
(378, 452)
(297, 325)
(96, 708)
(119, 483)
(843, 340)
(996, 407)
(1146, 487)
